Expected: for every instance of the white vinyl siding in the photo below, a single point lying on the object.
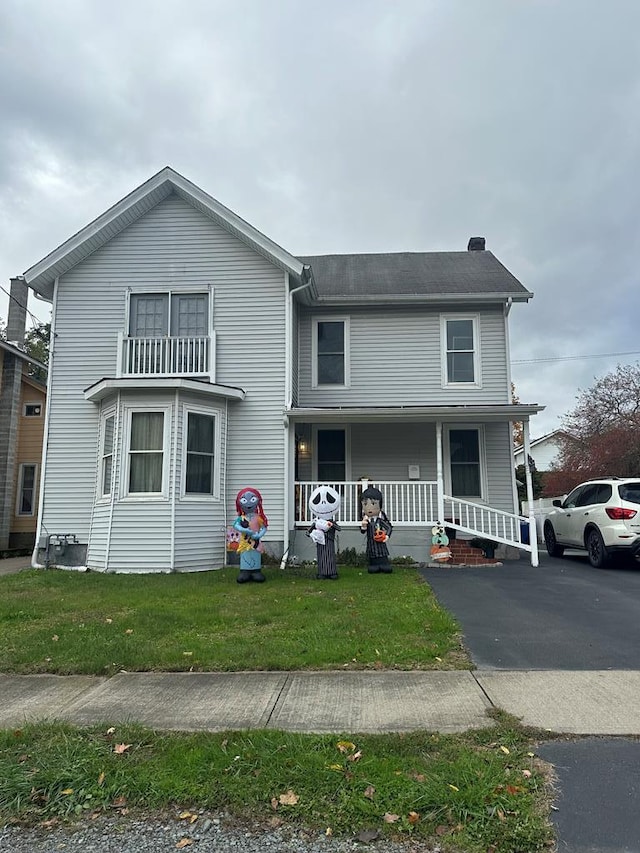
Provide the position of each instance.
(396, 359)
(173, 248)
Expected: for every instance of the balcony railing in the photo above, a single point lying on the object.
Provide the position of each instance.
(166, 356)
(406, 503)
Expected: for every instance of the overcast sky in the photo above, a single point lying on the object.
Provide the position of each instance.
(353, 126)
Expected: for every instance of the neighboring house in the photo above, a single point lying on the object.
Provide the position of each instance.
(194, 357)
(544, 450)
(22, 417)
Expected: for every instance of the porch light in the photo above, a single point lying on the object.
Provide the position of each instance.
(302, 445)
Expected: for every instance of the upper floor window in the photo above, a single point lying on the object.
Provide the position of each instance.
(33, 410)
(460, 350)
(200, 465)
(26, 503)
(146, 453)
(330, 352)
(156, 315)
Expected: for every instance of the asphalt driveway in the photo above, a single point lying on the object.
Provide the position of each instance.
(564, 614)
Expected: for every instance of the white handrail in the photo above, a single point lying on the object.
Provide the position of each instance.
(166, 356)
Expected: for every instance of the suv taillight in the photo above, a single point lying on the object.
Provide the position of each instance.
(619, 514)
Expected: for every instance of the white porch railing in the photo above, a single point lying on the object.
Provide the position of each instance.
(489, 523)
(415, 503)
(406, 503)
(165, 356)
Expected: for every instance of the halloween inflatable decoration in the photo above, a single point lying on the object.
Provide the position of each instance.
(376, 526)
(324, 503)
(440, 550)
(251, 525)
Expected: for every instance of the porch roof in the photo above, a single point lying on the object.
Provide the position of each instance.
(106, 386)
(380, 414)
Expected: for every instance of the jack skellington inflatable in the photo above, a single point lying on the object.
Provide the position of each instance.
(324, 503)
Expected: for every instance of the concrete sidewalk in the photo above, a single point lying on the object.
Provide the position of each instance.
(11, 565)
(597, 703)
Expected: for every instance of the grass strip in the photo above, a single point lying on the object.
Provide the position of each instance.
(90, 623)
(477, 791)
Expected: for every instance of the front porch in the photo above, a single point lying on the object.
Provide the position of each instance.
(414, 507)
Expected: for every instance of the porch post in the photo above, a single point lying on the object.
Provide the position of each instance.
(533, 534)
(439, 472)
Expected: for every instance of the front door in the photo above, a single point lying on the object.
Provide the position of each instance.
(331, 455)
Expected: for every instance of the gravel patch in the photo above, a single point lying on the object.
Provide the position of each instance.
(209, 834)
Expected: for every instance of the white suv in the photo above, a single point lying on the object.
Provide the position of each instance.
(600, 516)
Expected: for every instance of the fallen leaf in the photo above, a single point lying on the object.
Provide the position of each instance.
(288, 799)
(120, 748)
(369, 791)
(275, 821)
(337, 767)
(328, 831)
(129, 631)
(55, 638)
(184, 842)
(454, 787)
(390, 818)
(67, 791)
(187, 653)
(413, 817)
(101, 779)
(505, 750)
(368, 835)
(111, 731)
(185, 815)
(356, 756)
(442, 829)
(417, 777)
(526, 774)
(274, 803)
(514, 789)
(109, 621)
(345, 746)
(119, 803)
(531, 754)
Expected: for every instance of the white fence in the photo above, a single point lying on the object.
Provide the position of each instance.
(165, 356)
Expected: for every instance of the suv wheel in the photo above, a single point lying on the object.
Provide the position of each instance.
(596, 550)
(553, 549)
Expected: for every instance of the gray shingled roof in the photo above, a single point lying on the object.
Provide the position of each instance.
(413, 274)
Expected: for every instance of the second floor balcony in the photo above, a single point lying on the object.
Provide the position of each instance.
(166, 356)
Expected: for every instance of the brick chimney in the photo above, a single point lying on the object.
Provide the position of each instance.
(17, 316)
(476, 244)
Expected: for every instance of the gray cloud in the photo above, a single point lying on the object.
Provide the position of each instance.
(352, 126)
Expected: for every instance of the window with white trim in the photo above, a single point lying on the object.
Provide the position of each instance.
(106, 456)
(330, 352)
(179, 315)
(26, 503)
(200, 462)
(464, 456)
(146, 452)
(460, 350)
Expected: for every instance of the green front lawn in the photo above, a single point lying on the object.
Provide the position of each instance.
(68, 622)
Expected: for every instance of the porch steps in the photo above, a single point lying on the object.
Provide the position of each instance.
(464, 554)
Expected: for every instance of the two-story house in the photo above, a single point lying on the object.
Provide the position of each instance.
(194, 357)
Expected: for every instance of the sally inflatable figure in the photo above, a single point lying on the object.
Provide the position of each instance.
(251, 524)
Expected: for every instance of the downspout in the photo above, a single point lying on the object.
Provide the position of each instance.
(533, 535)
(288, 399)
(45, 437)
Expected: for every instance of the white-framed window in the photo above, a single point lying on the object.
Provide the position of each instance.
(26, 497)
(330, 352)
(465, 451)
(106, 455)
(331, 457)
(146, 454)
(167, 313)
(200, 465)
(32, 410)
(460, 347)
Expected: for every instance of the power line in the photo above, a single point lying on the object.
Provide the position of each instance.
(24, 307)
(572, 357)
